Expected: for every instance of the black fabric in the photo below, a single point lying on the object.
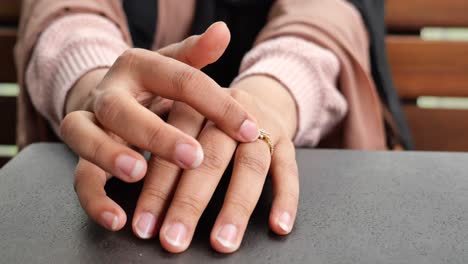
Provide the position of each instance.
(141, 16)
(245, 19)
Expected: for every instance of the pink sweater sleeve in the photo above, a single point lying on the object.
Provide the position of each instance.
(309, 72)
(70, 47)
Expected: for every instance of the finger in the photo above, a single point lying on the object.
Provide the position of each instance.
(161, 107)
(199, 51)
(163, 176)
(80, 132)
(195, 189)
(251, 165)
(89, 186)
(121, 114)
(175, 80)
(285, 178)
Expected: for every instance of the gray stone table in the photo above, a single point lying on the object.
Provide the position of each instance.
(356, 207)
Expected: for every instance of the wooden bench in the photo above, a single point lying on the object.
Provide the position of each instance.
(430, 68)
(419, 68)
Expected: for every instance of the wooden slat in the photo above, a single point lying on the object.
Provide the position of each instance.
(431, 68)
(7, 66)
(7, 120)
(416, 14)
(9, 11)
(438, 129)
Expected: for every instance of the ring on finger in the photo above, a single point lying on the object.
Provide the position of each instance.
(265, 136)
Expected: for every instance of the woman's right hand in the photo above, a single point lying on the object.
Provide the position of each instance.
(117, 114)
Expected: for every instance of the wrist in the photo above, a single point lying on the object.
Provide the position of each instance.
(275, 96)
(78, 97)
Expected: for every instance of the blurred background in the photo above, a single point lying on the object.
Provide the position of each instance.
(428, 51)
(9, 12)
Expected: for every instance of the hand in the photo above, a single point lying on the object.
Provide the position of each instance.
(117, 115)
(172, 200)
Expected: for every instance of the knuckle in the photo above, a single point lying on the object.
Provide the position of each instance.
(183, 81)
(97, 151)
(105, 107)
(153, 194)
(213, 161)
(189, 204)
(157, 163)
(241, 205)
(228, 106)
(253, 162)
(155, 136)
(127, 59)
(238, 95)
(188, 59)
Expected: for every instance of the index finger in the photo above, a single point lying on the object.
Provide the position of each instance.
(175, 80)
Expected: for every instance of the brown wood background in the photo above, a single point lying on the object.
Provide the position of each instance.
(7, 65)
(9, 11)
(411, 15)
(430, 68)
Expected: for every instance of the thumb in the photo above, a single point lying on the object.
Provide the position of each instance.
(200, 50)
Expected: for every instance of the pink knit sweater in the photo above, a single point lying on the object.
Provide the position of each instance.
(76, 44)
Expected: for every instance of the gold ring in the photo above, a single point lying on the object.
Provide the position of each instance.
(265, 136)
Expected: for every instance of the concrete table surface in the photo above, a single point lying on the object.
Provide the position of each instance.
(356, 207)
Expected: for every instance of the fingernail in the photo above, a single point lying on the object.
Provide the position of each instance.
(129, 165)
(110, 220)
(145, 225)
(189, 155)
(176, 234)
(212, 25)
(284, 222)
(227, 236)
(249, 131)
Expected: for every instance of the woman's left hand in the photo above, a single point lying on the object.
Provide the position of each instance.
(172, 201)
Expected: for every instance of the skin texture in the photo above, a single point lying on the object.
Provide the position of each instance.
(176, 191)
(193, 188)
